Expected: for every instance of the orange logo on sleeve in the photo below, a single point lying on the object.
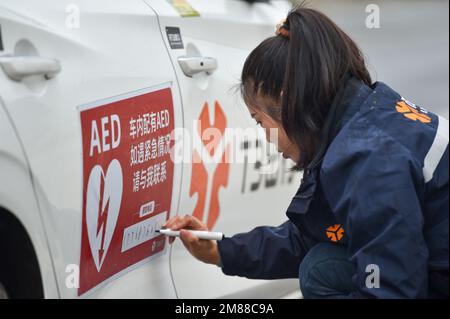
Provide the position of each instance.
(335, 233)
(412, 112)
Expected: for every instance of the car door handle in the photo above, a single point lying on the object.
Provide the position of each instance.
(194, 65)
(19, 67)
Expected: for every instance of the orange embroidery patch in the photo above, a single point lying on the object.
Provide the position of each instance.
(335, 232)
(412, 112)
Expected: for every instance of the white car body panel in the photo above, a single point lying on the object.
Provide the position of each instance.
(19, 197)
(96, 63)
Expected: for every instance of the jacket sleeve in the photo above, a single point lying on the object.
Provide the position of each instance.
(263, 253)
(374, 187)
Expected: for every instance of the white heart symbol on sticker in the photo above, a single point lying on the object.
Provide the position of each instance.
(102, 210)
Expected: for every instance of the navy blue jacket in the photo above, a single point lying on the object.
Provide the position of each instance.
(378, 186)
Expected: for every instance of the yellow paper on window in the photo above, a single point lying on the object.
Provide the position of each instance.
(184, 8)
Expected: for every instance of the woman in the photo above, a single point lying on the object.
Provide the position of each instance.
(370, 218)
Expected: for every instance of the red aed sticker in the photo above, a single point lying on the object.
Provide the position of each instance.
(127, 181)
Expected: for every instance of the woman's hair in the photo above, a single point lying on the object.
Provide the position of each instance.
(302, 72)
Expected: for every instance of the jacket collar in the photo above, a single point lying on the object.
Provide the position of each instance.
(350, 95)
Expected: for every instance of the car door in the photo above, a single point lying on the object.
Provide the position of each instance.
(91, 90)
(208, 42)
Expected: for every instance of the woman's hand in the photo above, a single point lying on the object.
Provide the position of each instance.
(203, 249)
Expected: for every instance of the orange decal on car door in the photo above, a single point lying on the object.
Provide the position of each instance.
(199, 181)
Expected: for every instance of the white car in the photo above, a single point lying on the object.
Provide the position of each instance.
(90, 91)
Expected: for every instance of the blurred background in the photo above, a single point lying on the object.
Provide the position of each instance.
(410, 50)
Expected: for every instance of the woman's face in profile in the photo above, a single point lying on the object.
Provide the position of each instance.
(282, 142)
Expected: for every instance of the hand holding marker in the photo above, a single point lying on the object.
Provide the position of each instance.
(196, 237)
(202, 234)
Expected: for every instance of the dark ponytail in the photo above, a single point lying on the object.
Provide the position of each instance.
(307, 66)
